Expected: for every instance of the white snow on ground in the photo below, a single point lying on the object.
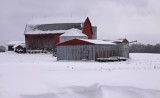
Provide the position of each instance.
(41, 76)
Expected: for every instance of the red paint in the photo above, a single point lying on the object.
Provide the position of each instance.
(56, 36)
(87, 28)
(125, 41)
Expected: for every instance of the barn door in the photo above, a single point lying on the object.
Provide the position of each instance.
(85, 53)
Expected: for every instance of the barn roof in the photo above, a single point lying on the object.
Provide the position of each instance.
(69, 32)
(98, 41)
(51, 20)
(73, 32)
(54, 25)
(22, 45)
(51, 28)
(121, 40)
(15, 42)
(86, 42)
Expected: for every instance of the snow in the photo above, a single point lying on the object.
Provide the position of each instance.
(15, 42)
(45, 32)
(42, 76)
(73, 32)
(21, 44)
(55, 20)
(96, 41)
(70, 32)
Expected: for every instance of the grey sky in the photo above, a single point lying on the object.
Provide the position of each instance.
(133, 19)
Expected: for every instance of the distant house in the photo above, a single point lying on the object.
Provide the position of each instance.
(44, 34)
(13, 43)
(89, 49)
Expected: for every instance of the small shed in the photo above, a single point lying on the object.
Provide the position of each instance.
(85, 49)
(123, 47)
(12, 43)
(72, 34)
(19, 48)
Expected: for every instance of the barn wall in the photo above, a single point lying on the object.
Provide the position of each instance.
(66, 38)
(87, 52)
(41, 42)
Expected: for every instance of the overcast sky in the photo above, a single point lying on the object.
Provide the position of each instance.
(131, 19)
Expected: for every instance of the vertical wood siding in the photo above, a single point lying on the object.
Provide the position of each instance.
(85, 52)
(41, 42)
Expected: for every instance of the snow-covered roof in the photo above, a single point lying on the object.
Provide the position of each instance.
(56, 20)
(46, 32)
(73, 32)
(95, 41)
(117, 40)
(22, 45)
(70, 32)
(15, 42)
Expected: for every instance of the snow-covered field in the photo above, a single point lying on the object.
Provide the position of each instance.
(41, 76)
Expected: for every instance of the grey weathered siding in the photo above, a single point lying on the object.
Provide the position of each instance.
(87, 52)
(40, 43)
(123, 49)
(94, 30)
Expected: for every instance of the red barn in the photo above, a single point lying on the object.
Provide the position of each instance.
(43, 35)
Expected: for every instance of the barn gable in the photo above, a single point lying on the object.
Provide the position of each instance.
(87, 28)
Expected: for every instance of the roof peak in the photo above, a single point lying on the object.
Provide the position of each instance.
(54, 20)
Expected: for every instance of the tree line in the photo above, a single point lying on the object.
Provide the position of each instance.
(142, 48)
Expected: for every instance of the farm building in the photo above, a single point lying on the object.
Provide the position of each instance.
(123, 47)
(44, 34)
(72, 34)
(13, 43)
(89, 49)
(20, 48)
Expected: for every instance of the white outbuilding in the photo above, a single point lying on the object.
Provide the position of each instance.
(72, 34)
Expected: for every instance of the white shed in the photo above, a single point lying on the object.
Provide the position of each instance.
(72, 34)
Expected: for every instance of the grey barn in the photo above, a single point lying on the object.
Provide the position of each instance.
(89, 49)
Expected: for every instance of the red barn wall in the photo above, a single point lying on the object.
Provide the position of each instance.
(41, 41)
(87, 28)
(75, 42)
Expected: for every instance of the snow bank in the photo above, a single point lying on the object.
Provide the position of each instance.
(98, 91)
(41, 76)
